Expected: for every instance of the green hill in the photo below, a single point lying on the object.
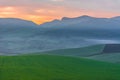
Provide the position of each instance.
(110, 53)
(104, 52)
(113, 57)
(50, 67)
(82, 52)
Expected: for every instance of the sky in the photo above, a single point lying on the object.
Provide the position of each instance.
(41, 11)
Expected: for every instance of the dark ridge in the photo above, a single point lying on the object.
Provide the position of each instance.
(84, 16)
(111, 48)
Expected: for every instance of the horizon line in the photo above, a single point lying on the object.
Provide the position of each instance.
(55, 19)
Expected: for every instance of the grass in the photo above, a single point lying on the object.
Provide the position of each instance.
(51, 67)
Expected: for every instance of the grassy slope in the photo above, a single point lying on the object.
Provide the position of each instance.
(49, 67)
(86, 51)
(91, 52)
(112, 57)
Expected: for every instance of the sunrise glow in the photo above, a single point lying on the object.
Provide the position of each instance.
(46, 10)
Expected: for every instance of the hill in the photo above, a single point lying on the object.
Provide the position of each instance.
(49, 67)
(104, 52)
(110, 53)
(111, 48)
(112, 57)
(82, 52)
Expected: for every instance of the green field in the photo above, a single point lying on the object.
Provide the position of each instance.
(51, 67)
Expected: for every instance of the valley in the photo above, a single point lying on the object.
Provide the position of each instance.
(88, 48)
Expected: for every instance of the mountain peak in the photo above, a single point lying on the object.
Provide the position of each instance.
(81, 17)
(116, 18)
(65, 18)
(85, 16)
(14, 22)
(56, 20)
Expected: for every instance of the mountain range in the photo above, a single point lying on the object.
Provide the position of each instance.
(21, 36)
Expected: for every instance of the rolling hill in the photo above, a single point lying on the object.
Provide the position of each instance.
(113, 57)
(110, 53)
(82, 52)
(49, 67)
(104, 52)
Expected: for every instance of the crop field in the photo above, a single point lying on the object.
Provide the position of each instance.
(51, 67)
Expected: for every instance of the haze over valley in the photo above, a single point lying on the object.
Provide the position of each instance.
(22, 36)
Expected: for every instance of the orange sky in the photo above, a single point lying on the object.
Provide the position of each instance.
(41, 11)
(43, 15)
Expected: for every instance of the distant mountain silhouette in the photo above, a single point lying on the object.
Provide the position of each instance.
(86, 26)
(14, 26)
(6, 22)
(77, 18)
(85, 22)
